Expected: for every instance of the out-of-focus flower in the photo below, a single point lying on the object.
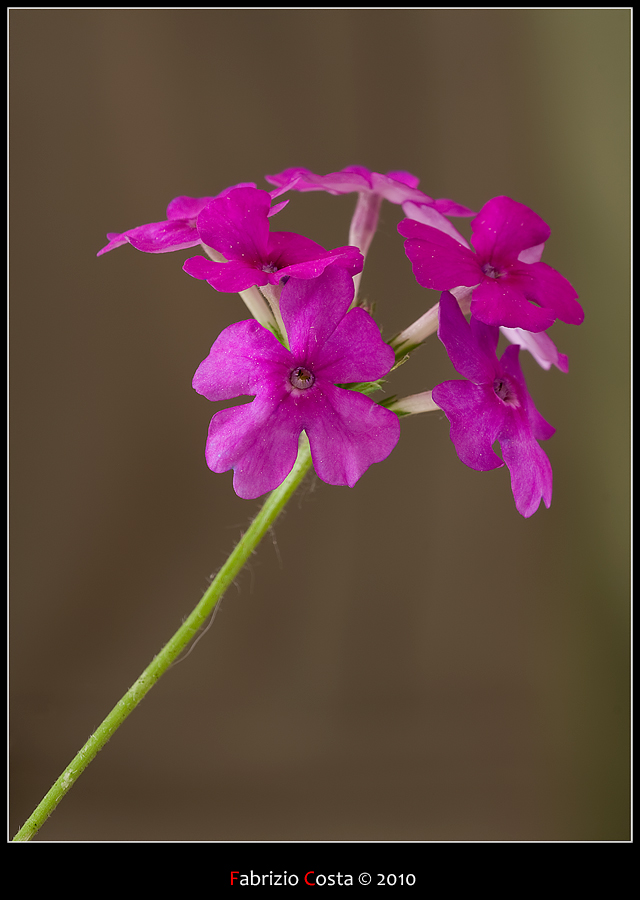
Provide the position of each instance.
(372, 188)
(297, 390)
(396, 187)
(492, 405)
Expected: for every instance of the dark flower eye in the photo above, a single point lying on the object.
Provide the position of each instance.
(302, 378)
(506, 392)
(491, 271)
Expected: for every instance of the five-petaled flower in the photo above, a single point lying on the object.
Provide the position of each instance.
(298, 390)
(237, 226)
(492, 405)
(511, 287)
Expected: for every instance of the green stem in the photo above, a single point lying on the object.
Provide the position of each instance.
(272, 507)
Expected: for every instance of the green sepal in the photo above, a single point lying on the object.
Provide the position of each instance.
(275, 331)
(389, 401)
(364, 387)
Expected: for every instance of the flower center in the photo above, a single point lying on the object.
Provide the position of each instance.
(506, 392)
(491, 271)
(269, 267)
(302, 378)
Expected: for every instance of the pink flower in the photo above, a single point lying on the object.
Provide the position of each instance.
(372, 188)
(236, 225)
(298, 390)
(511, 287)
(492, 405)
(396, 187)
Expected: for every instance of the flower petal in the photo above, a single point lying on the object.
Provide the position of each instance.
(191, 207)
(300, 257)
(476, 416)
(540, 346)
(451, 208)
(504, 228)
(429, 215)
(471, 353)
(347, 432)
(187, 207)
(284, 248)
(246, 359)
(528, 464)
(229, 277)
(237, 225)
(156, 237)
(348, 258)
(551, 289)
(439, 261)
(295, 178)
(403, 177)
(503, 301)
(312, 309)
(397, 190)
(277, 208)
(259, 441)
(355, 351)
(532, 254)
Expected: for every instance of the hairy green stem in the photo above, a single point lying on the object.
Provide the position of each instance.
(271, 509)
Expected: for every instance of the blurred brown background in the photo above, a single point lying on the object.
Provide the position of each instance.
(407, 660)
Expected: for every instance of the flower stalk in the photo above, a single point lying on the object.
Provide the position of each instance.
(414, 404)
(264, 520)
(427, 324)
(363, 227)
(253, 299)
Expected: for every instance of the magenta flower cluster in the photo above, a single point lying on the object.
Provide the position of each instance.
(316, 358)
